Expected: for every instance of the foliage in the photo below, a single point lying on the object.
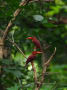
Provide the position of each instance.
(48, 22)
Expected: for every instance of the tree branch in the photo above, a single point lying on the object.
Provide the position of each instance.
(35, 74)
(17, 47)
(16, 13)
(47, 63)
(45, 68)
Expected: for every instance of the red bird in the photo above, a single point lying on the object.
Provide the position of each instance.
(32, 56)
(36, 42)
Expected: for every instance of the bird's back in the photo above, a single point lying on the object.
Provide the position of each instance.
(36, 42)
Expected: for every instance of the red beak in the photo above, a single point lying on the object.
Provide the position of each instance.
(36, 52)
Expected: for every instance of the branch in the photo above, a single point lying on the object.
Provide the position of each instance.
(45, 68)
(46, 64)
(17, 47)
(35, 74)
(16, 13)
(42, 78)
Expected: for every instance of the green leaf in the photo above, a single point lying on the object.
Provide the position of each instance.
(60, 2)
(15, 87)
(54, 10)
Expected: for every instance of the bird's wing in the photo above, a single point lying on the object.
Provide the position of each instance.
(30, 58)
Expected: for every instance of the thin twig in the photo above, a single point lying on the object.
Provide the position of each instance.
(45, 68)
(42, 78)
(34, 70)
(16, 13)
(17, 47)
(50, 58)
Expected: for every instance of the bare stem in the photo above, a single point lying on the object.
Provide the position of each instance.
(35, 74)
(50, 58)
(17, 47)
(45, 68)
(16, 13)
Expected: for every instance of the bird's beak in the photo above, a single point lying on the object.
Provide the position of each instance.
(38, 52)
(29, 38)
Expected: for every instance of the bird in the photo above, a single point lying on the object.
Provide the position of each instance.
(36, 42)
(32, 56)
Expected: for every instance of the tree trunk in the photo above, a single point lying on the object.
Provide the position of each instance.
(1, 50)
(1, 57)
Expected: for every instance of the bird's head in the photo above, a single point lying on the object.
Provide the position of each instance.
(36, 52)
(29, 38)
